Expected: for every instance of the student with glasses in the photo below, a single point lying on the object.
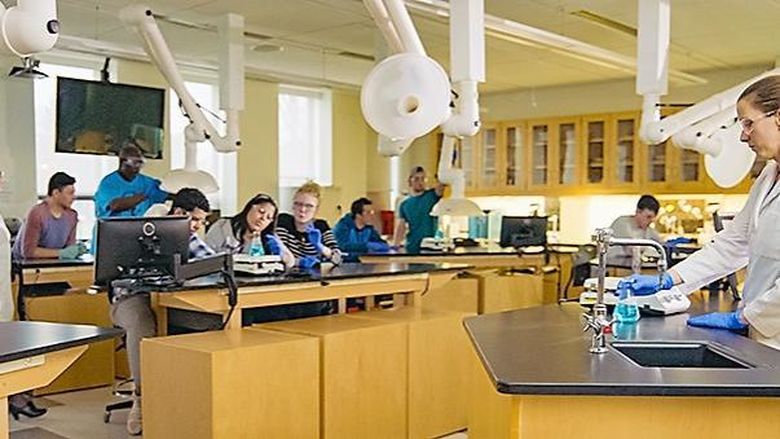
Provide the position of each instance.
(126, 192)
(257, 220)
(751, 239)
(309, 239)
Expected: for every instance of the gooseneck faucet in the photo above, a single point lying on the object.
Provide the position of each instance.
(597, 321)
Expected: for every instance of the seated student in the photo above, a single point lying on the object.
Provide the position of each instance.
(256, 220)
(354, 231)
(635, 226)
(310, 240)
(50, 229)
(131, 310)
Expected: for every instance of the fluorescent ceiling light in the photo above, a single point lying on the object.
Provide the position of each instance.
(560, 44)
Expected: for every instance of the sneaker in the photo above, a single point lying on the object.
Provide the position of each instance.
(134, 426)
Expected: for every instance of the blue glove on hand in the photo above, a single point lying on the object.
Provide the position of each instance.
(646, 284)
(308, 261)
(377, 247)
(314, 236)
(718, 320)
(274, 244)
(72, 251)
(677, 241)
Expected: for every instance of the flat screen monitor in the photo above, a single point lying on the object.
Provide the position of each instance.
(523, 231)
(125, 243)
(96, 117)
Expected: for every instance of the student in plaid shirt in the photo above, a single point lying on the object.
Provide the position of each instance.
(132, 311)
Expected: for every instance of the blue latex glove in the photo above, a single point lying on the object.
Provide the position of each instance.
(377, 247)
(274, 244)
(718, 320)
(646, 284)
(72, 251)
(308, 261)
(315, 237)
(677, 241)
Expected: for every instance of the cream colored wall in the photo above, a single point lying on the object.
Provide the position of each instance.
(258, 169)
(17, 142)
(353, 142)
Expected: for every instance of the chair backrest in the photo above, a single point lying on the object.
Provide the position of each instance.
(719, 219)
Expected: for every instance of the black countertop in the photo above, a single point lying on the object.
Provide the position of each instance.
(83, 261)
(27, 339)
(491, 250)
(544, 351)
(347, 270)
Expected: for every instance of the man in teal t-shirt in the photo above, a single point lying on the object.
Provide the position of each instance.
(414, 214)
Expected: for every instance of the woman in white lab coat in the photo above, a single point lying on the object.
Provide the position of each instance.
(752, 238)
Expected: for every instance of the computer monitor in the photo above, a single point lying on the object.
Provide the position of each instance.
(132, 246)
(522, 231)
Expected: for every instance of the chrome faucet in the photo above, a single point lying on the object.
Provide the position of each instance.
(597, 321)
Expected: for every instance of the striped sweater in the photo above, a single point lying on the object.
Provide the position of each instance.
(298, 243)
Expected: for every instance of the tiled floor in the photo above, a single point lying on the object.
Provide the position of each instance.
(79, 415)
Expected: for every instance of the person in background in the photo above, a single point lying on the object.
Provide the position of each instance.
(309, 239)
(635, 226)
(414, 220)
(50, 228)
(254, 226)
(131, 310)
(750, 239)
(126, 192)
(355, 232)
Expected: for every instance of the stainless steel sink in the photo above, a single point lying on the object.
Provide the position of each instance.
(680, 355)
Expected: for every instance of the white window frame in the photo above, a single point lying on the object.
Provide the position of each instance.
(310, 146)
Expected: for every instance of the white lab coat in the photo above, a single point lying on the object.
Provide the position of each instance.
(6, 299)
(752, 239)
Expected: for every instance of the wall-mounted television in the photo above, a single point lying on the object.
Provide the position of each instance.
(96, 117)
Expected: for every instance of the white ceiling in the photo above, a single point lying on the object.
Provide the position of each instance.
(706, 34)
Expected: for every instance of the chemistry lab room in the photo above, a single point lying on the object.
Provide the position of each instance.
(389, 219)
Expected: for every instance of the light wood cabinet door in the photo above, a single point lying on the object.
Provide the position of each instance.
(623, 153)
(594, 151)
(488, 176)
(539, 155)
(566, 153)
(514, 155)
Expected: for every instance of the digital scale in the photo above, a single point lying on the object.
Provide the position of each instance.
(258, 265)
(662, 303)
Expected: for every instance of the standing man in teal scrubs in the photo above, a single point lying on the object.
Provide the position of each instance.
(126, 192)
(414, 214)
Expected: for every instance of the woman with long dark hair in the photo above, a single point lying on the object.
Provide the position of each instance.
(251, 228)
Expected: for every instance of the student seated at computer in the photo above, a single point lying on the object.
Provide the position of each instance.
(309, 239)
(50, 228)
(131, 310)
(355, 233)
(251, 231)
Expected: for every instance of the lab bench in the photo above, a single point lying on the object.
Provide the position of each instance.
(532, 367)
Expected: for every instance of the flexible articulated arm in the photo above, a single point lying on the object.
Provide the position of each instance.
(141, 18)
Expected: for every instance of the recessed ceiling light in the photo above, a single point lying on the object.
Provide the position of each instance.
(267, 48)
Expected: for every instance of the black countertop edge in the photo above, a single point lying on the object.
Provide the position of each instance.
(634, 390)
(214, 281)
(101, 335)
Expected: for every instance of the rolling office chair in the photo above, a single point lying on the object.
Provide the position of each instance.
(126, 402)
(730, 280)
